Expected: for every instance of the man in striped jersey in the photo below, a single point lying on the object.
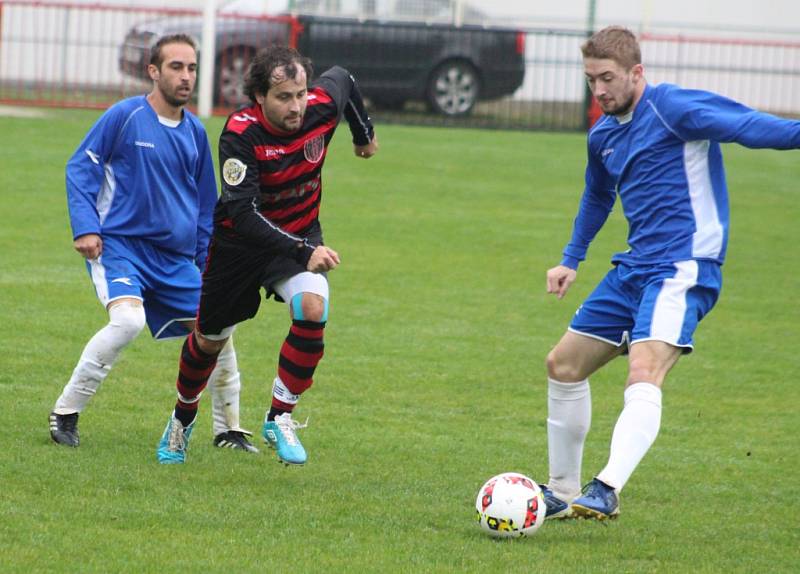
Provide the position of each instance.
(267, 235)
(657, 148)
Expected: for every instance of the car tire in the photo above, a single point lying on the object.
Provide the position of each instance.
(453, 88)
(230, 70)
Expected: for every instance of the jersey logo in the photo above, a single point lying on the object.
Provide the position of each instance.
(124, 280)
(233, 171)
(314, 148)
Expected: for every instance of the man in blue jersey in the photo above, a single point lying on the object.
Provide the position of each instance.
(657, 148)
(141, 193)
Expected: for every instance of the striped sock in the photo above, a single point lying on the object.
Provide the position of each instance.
(300, 354)
(195, 368)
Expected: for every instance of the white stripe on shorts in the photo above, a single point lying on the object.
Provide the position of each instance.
(670, 305)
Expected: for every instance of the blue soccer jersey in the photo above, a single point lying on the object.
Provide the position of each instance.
(133, 176)
(664, 162)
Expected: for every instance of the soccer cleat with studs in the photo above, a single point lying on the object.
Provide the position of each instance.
(280, 435)
(174, 442)
(236, 440)
(64, 429)
(557, 509)
(598, 501)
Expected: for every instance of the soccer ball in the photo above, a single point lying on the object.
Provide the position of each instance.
(510, 505)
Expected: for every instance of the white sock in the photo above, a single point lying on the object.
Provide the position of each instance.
(125, 322)
(224, 384)
(569, 416)
(634, 433)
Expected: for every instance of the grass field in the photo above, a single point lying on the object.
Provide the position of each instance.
(432, 382)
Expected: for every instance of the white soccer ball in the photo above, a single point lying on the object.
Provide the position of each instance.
(510, 505)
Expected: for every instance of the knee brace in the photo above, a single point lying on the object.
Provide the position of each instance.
(297, 308)
(125, 322)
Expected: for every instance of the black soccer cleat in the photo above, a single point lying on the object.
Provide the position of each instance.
(64, 429)
(234, 439)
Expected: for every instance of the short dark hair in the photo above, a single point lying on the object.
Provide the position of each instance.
(156, 52)
(614, 43)
(258, 79)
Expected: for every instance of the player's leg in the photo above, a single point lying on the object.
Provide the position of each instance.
(307, 297)
(230, 294)
(673, 300)
(197, 361)
(118, 288)
(569, 414)
(225, 385)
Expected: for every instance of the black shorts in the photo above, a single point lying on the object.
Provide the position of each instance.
(233, 278)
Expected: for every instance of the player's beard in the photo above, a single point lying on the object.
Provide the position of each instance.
(621, 109)
(178, 97)
(295, 126)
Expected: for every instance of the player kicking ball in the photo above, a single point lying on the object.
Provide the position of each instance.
(658, 149)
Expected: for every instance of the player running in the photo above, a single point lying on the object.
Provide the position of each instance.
(141, 194)
(267, 234)
(657, 148)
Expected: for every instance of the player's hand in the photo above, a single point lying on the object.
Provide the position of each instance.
(367, 151)
(90, 245)
(323, 259)
(559, 278)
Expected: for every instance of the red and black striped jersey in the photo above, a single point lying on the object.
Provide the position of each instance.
(271, 181)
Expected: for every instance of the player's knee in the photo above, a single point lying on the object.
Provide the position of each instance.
(561, 369)
(310, 307)
(127, 320)
(643, 369)
(212, 346)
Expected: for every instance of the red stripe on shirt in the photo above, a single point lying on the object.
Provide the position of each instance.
(291, 172)
(277, 214)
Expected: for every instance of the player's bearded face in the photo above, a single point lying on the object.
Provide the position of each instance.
(613, 86)
(284, 104)
(178, 74)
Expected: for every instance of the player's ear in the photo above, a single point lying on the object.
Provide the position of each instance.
(153, 72)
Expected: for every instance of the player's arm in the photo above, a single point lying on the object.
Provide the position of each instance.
(240, 194)
(206, 196)
(343, 88)
(700, 115)
(85, 176)
(596, 204)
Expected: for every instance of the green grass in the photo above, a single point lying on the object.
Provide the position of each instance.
(432, 381)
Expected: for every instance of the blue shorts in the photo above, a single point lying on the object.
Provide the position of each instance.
(167, 283)
(662, 302)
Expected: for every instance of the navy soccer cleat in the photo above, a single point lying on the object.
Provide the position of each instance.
(557, 509)
(598, 501)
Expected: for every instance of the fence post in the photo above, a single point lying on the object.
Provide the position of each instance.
(205, 96)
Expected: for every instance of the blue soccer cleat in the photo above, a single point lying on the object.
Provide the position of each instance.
(174, 442)
(557, 509)
(598, 501)
(280, 434)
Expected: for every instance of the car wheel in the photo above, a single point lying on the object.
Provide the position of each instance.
(453, 88)
(231, 67)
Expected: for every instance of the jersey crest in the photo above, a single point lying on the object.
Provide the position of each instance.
(314, 148)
